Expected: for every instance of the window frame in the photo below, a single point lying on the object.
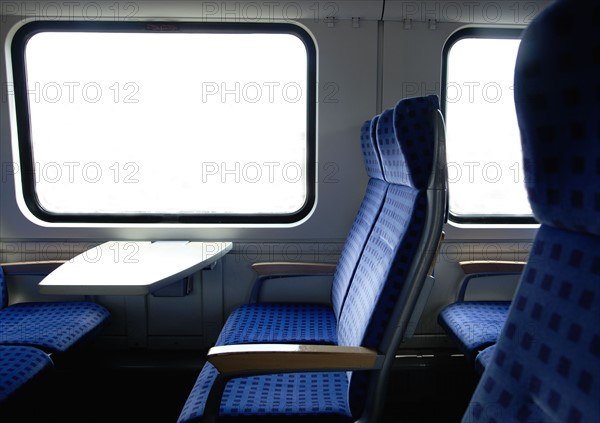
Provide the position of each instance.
(478, 32)
(26, 160)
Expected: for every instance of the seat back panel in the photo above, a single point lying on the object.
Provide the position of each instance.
(365, 218)
(381, 270)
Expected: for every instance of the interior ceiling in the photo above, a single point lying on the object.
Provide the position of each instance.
(475, 12)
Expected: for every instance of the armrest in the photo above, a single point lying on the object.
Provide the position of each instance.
(293, 269)
(492, 266)
(480, 268)
(281, 269)
(252, 359)
(31, 267)
(274, 358)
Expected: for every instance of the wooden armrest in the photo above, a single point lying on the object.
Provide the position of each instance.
(31, 267)
(492, 266)
(292, 268)
(273, 358)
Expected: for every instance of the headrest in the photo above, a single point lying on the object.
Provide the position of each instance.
(557, 98)
(406, 138)
(369, 149)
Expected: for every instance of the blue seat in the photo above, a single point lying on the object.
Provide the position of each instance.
(546, 364)
(53, 327)
(345, 381)
(474, 325)
(313, 323)
(19, 366)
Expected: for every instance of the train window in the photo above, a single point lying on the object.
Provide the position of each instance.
(484, 148)
(166, 122)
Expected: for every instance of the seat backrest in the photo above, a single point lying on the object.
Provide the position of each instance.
(546, 364)
(401, 248)
(365, 218)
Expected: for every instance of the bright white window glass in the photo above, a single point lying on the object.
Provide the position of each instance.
(484, 155)
(168, 123)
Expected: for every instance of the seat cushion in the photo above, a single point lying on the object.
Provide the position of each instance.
(474, 325)
(279, 323)
(18, 366)
(279, 396)
(51, 326)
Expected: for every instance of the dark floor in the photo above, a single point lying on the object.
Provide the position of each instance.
(148, 386)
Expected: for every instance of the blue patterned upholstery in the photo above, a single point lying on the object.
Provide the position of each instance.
(402, 132)
(546, 364)
(356, 241)
(382, 267)
(408, 163)
(557, 100)
(484, 358)
(547, 360)
(3, 291)
(19, 365)
(280, 396)
(295, 323)
(365, 218)
(279, 323)
(51, 326)
(368, 137)
(383, 271)
(380, 277)
(381, 289)
(473, 325)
